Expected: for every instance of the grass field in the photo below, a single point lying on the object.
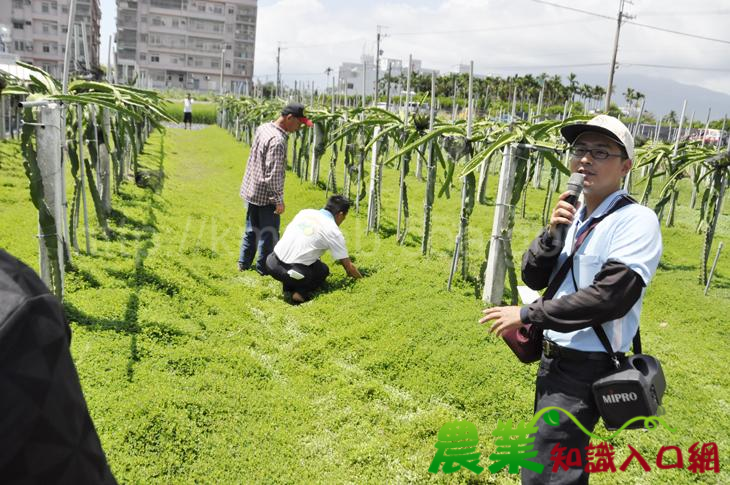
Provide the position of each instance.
(203, 112)
(196, 373)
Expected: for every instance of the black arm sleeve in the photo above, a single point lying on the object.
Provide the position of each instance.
(539, 260)
(615, 289)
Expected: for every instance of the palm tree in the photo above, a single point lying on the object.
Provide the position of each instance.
(572, 85)
(671, 118)
(598, 93)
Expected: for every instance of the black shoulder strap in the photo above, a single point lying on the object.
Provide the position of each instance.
(568, 265)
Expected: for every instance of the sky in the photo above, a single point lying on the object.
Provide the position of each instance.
(502, 37)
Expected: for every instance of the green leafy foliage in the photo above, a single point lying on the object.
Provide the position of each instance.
(196, 373)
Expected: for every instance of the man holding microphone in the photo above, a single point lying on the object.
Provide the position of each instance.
(616, 246)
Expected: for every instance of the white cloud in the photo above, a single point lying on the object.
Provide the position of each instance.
(316, 34)
(495, 33)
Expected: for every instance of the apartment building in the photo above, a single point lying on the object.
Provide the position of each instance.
(186, 44)
(38, 31)
(351, 74)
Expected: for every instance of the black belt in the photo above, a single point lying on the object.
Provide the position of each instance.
(552, 350)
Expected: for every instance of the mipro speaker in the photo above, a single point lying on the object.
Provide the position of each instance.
(634, 390)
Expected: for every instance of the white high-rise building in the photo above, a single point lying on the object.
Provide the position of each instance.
(186, 44)
(38, 32)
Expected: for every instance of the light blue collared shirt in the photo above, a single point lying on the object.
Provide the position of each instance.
(630, 236)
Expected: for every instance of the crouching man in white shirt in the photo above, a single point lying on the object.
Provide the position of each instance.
(295, 259)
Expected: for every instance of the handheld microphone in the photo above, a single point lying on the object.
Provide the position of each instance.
(575, 187)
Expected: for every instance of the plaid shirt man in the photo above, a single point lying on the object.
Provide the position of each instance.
(263, 182)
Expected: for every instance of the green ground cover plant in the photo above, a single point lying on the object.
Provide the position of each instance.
(196, 373)
(204, 113)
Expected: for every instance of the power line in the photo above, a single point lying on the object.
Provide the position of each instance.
(653, 27)
(662, 29)
(722, 11)
(587, 12)
(291, 74)
(685, 68)
(488, 29)
(550, 66)
(326, 44)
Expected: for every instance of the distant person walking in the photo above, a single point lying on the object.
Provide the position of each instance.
(262, 188)
(188, 112)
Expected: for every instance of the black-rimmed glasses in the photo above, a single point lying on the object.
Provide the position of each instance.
(596, 153)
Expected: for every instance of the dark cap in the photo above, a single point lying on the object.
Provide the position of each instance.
(296, 110)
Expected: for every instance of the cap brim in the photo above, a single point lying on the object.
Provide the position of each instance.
(571, 132)
(305, 120)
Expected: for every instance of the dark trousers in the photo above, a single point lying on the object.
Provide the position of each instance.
(314, 274)
(565, 384)
(262, 232)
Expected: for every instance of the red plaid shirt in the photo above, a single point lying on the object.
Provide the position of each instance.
(263, 182)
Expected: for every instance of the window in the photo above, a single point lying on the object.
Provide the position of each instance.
(154, 58)
(175, 23)
(64, 9)
(228, 65)
(180, 78)
(46, 28)
(17, 3)
(142, 56)
(215, 64)
(230, 10)
(44, 8)
(18, 25)
(46, 48)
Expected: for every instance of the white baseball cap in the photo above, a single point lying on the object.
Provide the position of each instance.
(604, 125)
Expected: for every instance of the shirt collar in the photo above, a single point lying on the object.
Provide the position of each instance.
(325, 211)
(282, 130)
(603, 207)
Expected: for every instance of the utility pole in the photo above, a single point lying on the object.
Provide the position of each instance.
(377, 66)
(328, 71)
(223, 51)
(387, 83)
(278, 71)
(364, 77)
(621, 16)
